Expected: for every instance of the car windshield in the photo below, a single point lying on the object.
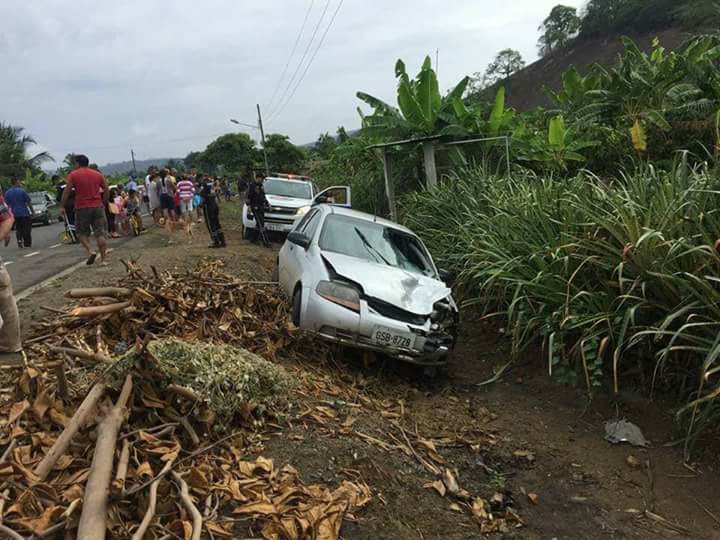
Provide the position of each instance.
(286, 188)
(38, 198)
(375, 242)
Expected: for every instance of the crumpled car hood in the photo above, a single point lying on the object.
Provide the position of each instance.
(411, 292)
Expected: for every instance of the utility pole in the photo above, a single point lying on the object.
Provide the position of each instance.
(132, 155)
(262, 135)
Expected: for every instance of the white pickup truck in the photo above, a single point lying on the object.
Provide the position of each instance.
(289, 198)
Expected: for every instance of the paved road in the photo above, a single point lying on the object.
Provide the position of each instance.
(46, 258)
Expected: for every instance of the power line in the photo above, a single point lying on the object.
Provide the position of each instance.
(312, 58)
(302, 60)
(292, 54)
(136, 142)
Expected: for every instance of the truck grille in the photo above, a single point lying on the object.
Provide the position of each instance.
(283, 210)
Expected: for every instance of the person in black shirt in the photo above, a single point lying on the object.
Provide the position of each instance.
(212, 213)
(257, 203)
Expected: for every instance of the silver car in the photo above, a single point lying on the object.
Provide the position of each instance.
(365, 282)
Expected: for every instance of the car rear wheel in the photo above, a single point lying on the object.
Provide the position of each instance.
(46, 219)
(249, 234)
(296, 306)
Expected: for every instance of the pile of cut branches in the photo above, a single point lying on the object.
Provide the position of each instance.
(147, 464)
(200, 304)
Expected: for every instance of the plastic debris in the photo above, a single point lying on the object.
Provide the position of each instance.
(622, 431)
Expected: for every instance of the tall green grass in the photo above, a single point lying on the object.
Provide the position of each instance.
(612, 278)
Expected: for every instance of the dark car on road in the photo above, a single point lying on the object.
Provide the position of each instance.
(42, 203)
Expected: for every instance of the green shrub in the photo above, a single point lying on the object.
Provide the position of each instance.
(611, 278)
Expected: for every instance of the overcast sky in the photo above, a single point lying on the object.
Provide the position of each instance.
(164, 78)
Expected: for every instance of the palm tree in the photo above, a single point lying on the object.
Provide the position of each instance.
(14, 151)
(422, 112)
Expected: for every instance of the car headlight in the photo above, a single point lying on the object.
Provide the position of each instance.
(302, 210)
(341, 294)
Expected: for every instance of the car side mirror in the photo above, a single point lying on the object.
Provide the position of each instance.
(299, 239)
(320, 200)
(446, 276)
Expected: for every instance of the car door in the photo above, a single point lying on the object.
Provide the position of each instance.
(292, 257)
(336, 196)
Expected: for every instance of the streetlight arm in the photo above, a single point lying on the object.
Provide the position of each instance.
(243, 124)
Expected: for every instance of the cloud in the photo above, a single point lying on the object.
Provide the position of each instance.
(165, 77)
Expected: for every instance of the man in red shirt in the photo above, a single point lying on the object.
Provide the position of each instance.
(91, 196)
(10, 341)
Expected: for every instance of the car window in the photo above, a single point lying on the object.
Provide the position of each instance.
(301, 225)
(287, 188)
(312, 225)
(375, 242)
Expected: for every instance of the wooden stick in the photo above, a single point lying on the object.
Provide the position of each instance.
(85, 355)
(184, 392)
(132, 491)
(3, 498)
(93, 524)
(38, 338)
(7, 451)
(12, 534)
(92, 311)
(189, 506)
(115, 292)
(78, 420)
(53, 310)
(61, 381)
(150, 513)
(122, 467)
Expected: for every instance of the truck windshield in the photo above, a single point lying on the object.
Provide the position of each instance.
(38, 198)
(287, 188)
(376, 243)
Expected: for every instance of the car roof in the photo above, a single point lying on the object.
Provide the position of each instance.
(330, 209)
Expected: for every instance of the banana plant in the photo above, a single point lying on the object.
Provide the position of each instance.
(472, 117)
(556, 148)
(421, 112)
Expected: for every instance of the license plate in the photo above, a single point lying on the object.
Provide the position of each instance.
(392, 338)
(274, 227)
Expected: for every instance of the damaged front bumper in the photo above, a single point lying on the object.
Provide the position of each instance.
(418, 340)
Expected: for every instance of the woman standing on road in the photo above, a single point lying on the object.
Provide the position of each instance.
(166, 192)
(153, 196)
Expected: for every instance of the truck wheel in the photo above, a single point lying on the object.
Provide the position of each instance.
(297, 306)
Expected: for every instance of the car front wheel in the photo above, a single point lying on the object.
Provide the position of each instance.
(296, 306)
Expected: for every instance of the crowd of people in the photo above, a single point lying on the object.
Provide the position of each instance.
(174, 199)
(92, 208)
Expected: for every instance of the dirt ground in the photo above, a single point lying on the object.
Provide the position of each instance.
(524, 443)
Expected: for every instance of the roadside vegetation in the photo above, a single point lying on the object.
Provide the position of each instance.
(598, 246)
(588, 226)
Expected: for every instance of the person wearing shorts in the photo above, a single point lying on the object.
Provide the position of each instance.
(91, 196)
(185, 191)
